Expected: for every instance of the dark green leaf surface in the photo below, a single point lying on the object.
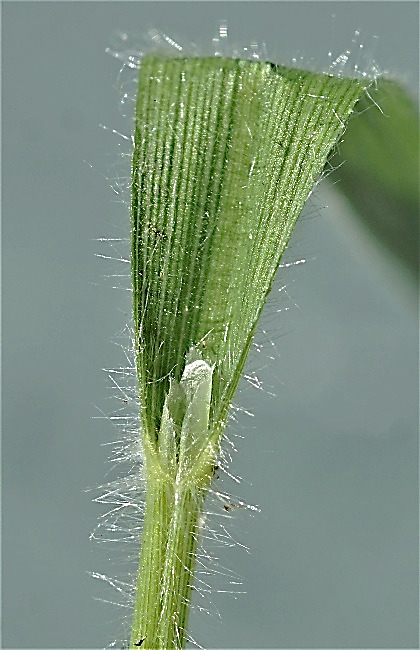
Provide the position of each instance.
(226, 154)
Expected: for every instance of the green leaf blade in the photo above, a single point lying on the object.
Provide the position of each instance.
(226, 154)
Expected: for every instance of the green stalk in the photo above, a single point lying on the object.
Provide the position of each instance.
(169, 545)
(226, 153)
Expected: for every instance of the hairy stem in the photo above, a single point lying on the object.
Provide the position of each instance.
(166, 564)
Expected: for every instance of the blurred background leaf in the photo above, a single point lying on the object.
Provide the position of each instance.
(380, 174)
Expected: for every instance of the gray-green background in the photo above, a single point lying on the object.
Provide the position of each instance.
(331, 459)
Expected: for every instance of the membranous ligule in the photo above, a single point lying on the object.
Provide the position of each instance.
(184, 429)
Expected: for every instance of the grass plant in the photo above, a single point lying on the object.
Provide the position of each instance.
(226, 154)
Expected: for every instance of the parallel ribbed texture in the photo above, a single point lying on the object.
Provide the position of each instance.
(226, 154)
(170, 540)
